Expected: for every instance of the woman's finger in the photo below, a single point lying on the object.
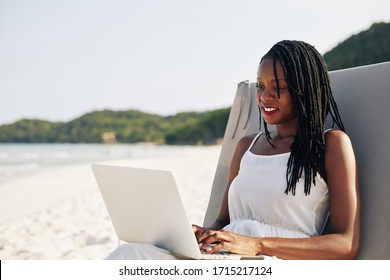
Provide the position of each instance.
(211, 240)
(204, 234)
(196, 228)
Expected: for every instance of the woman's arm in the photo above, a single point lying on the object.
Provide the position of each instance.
(343, 239)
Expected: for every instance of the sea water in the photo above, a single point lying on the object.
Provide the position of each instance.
(22, 159)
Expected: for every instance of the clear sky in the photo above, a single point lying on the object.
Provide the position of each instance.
(60, 59)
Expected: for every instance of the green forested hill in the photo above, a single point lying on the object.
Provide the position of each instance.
(367, 47)
(131, 126)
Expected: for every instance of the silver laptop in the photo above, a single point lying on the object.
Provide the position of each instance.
(145, 207)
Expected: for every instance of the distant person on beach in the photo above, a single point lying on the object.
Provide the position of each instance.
(292, 192)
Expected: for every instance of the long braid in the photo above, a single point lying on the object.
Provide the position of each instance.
(308, 83)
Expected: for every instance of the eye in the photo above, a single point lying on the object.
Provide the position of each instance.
(279, 89)
(259, 87)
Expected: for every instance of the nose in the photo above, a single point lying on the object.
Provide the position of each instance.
(265, 95)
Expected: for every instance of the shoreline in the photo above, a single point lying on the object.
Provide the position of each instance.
(58, 213)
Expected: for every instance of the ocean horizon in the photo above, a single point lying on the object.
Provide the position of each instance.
(20, 159)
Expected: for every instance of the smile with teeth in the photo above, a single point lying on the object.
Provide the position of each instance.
(269, 109)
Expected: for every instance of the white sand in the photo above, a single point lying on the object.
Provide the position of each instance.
(59, 213)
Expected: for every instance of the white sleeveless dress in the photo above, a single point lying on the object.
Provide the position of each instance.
(258, 206)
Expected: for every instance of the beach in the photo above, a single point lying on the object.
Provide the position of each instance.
(57, 213)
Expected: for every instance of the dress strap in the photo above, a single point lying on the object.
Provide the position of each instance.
(255, 140)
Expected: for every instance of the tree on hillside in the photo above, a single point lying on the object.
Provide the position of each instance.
(367, 47)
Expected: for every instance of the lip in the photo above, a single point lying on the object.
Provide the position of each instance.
(266, 110)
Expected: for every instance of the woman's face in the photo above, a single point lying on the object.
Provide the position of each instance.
(275, 110)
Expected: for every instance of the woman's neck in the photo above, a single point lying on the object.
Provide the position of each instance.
(284, 132)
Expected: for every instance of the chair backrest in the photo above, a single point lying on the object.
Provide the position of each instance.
(363, 98)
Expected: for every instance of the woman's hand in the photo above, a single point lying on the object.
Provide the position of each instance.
(198, 231)
(211, 241)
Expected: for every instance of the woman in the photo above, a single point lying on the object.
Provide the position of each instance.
(284, 186)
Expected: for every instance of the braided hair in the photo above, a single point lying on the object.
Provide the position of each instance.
(308, 82)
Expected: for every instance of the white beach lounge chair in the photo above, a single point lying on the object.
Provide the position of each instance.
(363, 98)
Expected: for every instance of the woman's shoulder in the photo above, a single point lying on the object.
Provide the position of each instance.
(245, 142)
(335, 138)
(337, 141)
